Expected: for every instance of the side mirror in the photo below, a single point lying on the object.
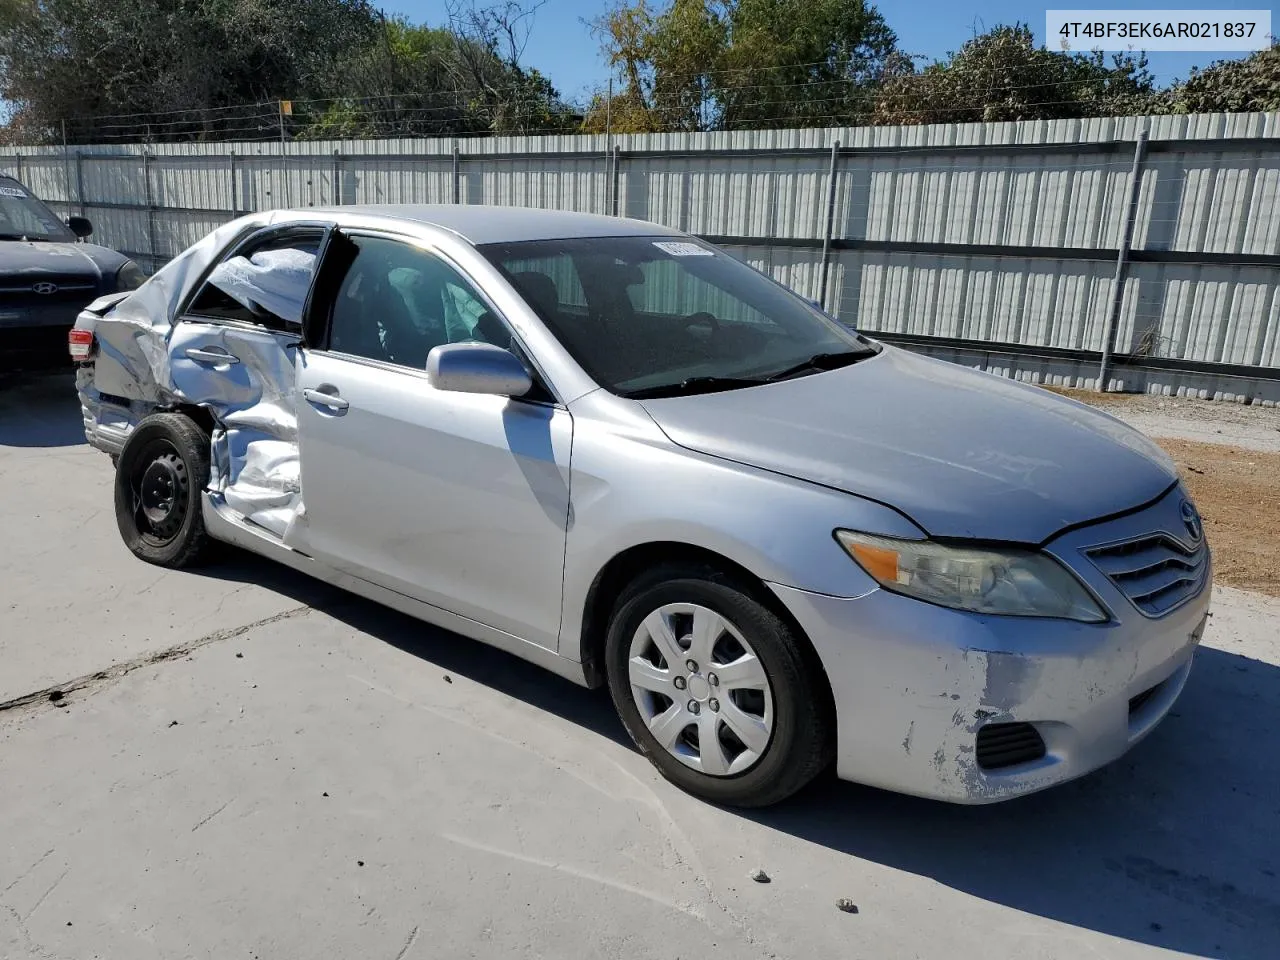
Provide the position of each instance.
(80, 226)
(477, 368)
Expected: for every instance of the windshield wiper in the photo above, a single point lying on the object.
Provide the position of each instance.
(693, 385)
(821, 361)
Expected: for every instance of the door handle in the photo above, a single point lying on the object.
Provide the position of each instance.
(323, 399)
(215, 356)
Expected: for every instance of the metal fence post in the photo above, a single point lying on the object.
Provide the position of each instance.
(231, 169)
(151, 218)
(337, 178)
(457, 174)
(830, 225)
(617, 179)
(66, 169)
(80, 180)
(1122, 263)
(608, 179)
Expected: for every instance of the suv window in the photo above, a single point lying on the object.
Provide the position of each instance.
(264, 284)
(22, 216)
(397, 301)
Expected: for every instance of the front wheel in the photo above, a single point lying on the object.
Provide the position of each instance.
(160, 474)
(716, 689)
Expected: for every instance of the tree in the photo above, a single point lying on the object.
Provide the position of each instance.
(421, 81)
(196, 66)
(802, 62)
(1228, 86)
(1003, 75)
(171, 69)
(714, 64)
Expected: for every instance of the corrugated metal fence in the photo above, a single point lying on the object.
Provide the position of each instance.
(1031, 249)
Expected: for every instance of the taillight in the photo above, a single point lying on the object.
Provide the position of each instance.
(80, 344)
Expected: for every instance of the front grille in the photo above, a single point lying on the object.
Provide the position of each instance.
(1156, 572)
(18, 290)
(1008, 744)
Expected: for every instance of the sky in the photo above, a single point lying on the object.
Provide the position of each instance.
(562, 47)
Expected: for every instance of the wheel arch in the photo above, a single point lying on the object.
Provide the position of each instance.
(202, 417)
(624, 567)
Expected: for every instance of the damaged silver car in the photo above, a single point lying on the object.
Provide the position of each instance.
(613, 450)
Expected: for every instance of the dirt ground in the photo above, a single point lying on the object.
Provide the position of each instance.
(1238, 494)
(1235, 482)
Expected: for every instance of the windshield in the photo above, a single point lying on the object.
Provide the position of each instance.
(23, 217)
(653, 316)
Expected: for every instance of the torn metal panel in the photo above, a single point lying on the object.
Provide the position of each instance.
(146, 361)
(132, 336)
(252, 399)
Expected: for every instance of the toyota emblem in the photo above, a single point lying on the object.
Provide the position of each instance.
(1191, 520)
(45, 287)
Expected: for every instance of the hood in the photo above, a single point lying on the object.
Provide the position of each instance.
(963, 453)
(44, 259)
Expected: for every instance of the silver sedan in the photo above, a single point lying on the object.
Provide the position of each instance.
(613, 450)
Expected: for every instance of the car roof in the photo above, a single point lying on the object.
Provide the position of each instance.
(491, 224)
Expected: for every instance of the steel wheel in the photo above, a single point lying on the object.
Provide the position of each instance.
(701, 689)
(163, 467)
(160, 489)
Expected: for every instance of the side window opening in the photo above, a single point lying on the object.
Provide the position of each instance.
(396, 302)
(266, 284)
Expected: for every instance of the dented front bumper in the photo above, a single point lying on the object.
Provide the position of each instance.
(914, 683)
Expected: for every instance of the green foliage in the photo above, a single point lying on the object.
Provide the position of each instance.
(1003, 75)
(176, 69)
(77, 60)
(180, 69)
(715, 64)
(1228, 86)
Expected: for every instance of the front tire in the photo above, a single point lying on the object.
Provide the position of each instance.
(160, 475)
(716, 689)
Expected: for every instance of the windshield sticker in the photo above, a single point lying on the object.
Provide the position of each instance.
(678, 249)
(12, 192)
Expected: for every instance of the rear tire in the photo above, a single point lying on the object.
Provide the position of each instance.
(160, 475)
(770, 691)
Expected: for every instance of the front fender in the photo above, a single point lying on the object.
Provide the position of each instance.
(631, 487)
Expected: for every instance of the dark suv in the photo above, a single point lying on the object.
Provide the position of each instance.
(47, 275)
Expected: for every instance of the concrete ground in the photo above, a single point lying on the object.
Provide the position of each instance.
(244, 763)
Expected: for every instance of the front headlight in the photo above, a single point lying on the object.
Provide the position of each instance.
(1012, 581)
(129, 277)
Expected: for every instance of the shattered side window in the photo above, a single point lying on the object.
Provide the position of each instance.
(266, 285)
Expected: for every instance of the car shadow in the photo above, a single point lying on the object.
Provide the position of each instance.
(1175, 845)
(450, 652)
(40, 409)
